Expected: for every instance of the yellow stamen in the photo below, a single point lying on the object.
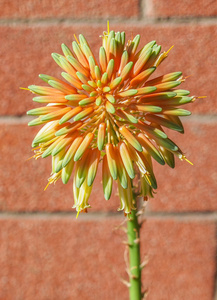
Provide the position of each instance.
(188, 160)
(30, 157)
(77, 213)
(47, 186)
(169, 49)
(108, 27)
(200, 97)
(33, 149)
(24, 88)
(146, 176)
(53, 178)
(76, 39)
(36, 156)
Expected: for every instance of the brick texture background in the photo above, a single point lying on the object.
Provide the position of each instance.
(45, 253)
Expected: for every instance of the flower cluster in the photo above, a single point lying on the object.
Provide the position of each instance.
(108, 110)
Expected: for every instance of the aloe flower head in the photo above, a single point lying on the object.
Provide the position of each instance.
(111, 111)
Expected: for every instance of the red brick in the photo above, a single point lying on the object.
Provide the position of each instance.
(32, 9)
(26, 51)
(189, 188)
(169, 8)
(181, 259)
(60, 258)
(22, 182)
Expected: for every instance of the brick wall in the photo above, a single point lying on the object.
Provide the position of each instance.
(45, 253)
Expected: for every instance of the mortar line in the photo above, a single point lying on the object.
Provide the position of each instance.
(145, 20)
(10, 119)
(94, 216)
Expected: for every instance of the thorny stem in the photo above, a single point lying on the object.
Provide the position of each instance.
(134, 256)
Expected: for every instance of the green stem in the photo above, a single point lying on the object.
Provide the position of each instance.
(134, 256)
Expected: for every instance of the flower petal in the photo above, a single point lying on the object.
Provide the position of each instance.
(101, 136)
(106, 179)
(67, 171)
(130, 138)
(150, 148)
(72, 150)
(111, 158)
(93, 165)
(126, 159)
(83, 146)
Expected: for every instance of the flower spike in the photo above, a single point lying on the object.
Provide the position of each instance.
(110, 110)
